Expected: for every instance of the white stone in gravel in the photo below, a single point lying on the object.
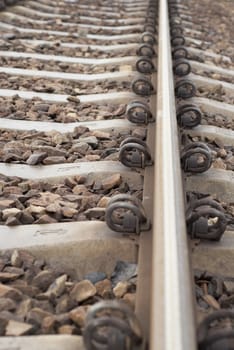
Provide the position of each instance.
(15, 328)
(16, 260)
(6, 213)
(120, 289)
(101, 134)
(57, 287)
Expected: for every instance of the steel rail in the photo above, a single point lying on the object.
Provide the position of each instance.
(172, 313)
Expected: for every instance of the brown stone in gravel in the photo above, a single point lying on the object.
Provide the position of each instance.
(7, 304)
(95, 213)
(27, 258)
(8, 157)
(24, 307)
(80, 147)
(10, 292)
(36, 158)
(43, 107)
(101, 135)
(46, 219)
(78, 315)
(80, 190)
(48, 325)
(222, 153)
(7, 315)
(45, 305)
(82, 291)
(68, 212)
(53, 208)
(15, 328)
(6, 203)
(16, 270)
(67, 329)
(8, 277)
(26, 218)
(36, 316)
(45, 199)
(43, 280)
(120, 110)
(36, 209)
(12, 221)
(104, 288)
(70, 182)
(3, 324)
(73, 99)
(130, 298)
(26, 289)
(54, 160)
(111, 181)
(9, 190)
(62, 318)
(51, 151)
(80, 179)
(56, 288)
(139, 133)
(92, 157)
(219, 164)
(229, 287)
(2, 264)
(53, 109)
(103, 202)
(64, 304)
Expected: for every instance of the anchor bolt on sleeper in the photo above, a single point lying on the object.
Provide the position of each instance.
(138, 112)
(177, 40)
(134, 153)
(148, 27)
(142, 86)
(176, 30)
(126, 214)
(185, 89)
(145, 65)
(196, 158)
(216, 331)
(146, 50)
(179, 52)
(181, 67)
(111, 324)
(206, 219)
(188, 116)
(148, 38)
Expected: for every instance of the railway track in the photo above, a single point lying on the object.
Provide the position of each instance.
(116, 168)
